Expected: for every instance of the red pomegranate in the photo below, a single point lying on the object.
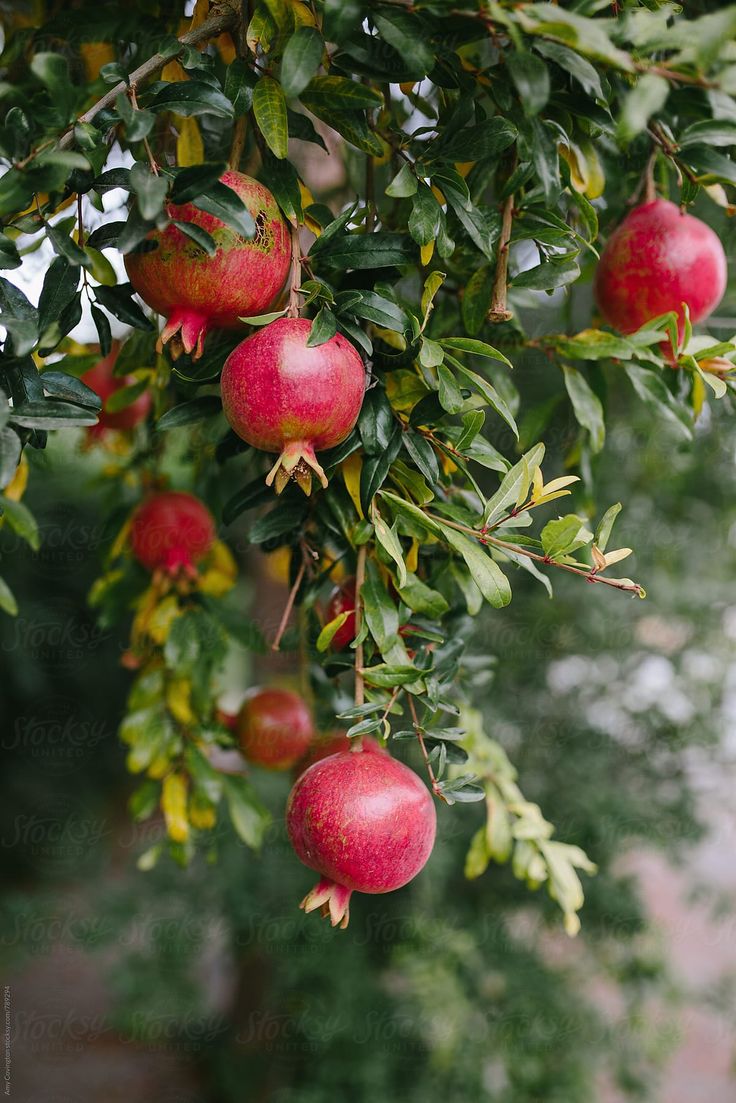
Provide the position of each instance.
(196, 292)
(274, 728)
(171, 531)
(656, 260)
(102, 381)
(282, 396)
(364, 822)
(332, 743)
(342, 600)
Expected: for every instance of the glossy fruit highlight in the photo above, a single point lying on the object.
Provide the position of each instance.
(364, 822)
(274, 728)
(282, 396)
(172, 531)
(656, 260)
(197, 292)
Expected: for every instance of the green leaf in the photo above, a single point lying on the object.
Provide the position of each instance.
(451, 397)
(7, 602)
(198, 235)
(59, 288)
(403, 184)
(341, 18)
(486, 139)
(51, 414)
(63, 246)
(709, 132)
(415, 520)
(269, 108)
(514, 485)
(563, 536)
(119, 302)
(545, 277)
(586, 405)
(21, 521)
(424, 220)
(8, 253)
(283, 180)
(225, 204)
(652, 390)
(61, 385)
(477, 348)
(646, 98)
(476, 301)
(574, 64)
(324, 327)
(381, 615)
(301, 60)
(421, 598)
(405, 32)
(186, 413)
(605, 525)
(150, 190)
(194, 180)
(382, 249)
(340, 94)
(486, 573)
(191, 97)
(351, 125)
(491, 395)
(531, 77)
(250, 818)
(389, 541)
(328, 633)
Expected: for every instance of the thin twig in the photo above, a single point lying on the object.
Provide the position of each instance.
(425, 754)
(288, 607)
(587, 573)
(499, 311)
(359, 581)
(146, 144)
(295, 274)
(212, 27)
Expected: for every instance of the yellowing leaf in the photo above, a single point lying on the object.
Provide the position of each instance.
(200, 13)
(351, 469)
(174, 71)
(426, 252)
(412, 559)
(277, 565)
(17, 485)
(178, 700)
(189, 144)
(202, 813)
(162, 618)
(174, 807)
(226, 48)
(95, 55)
(617, 556)
(303, 14)
(219, 577)
(159, 767)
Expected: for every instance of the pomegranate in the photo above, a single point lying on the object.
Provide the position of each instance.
(364, 822)
(171, 531)
(197, 292)
(656, 260)
(342, 600)
(274, 728)
(332, 743)
(102, 381)
(282, 396)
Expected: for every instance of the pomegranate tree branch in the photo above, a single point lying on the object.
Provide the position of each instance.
(295, 274)
(288, 607)
(359, 581)
(423, 748)
(588, 573)
(223, 18)
(499, 311)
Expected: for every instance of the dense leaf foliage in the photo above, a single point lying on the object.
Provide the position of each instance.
(480, 146)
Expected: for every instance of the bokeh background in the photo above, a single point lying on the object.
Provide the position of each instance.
(208, 984)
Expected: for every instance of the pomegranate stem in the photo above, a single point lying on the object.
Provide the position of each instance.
(288, 607)
(499, 311)
(295, 277)
(359, 580)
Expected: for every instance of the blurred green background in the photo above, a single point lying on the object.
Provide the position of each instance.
(210, 985)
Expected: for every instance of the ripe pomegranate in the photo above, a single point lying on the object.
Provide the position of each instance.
(656, 260)
(282, 396)
(102, 381)
(332, 743)
(274, 728)
(197, 292)
(364, 822)
(171, 531)
(342, 600)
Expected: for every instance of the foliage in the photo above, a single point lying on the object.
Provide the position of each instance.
(478, 142)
